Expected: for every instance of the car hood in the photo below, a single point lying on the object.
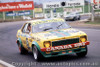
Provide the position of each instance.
(70, 15)
(56, 34)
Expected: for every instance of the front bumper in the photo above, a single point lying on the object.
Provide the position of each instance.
(64, 49)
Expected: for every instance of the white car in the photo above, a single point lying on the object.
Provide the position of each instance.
(73, 16)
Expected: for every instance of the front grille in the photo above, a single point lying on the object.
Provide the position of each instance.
(65, 42)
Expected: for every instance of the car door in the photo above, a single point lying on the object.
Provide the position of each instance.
(24, 35)
(26, 38)
(77, 15)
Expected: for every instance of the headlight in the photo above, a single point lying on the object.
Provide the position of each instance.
(83, 39)
(47, 44)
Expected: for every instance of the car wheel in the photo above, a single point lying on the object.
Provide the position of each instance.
(82, 54)
(22, 49)
(74, 18)
(66, 19)
(36, 53)
(79, 18)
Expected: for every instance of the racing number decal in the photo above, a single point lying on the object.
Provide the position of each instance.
(27, 43)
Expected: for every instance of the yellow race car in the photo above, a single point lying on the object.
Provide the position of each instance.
(51, 37)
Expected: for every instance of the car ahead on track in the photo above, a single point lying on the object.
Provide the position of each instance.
(51, 37)
(73, 16)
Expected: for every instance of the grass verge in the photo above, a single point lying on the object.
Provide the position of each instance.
(96, 21)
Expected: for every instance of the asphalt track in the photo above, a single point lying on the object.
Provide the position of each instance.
(9, 51)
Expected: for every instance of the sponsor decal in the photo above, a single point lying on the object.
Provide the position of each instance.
(27, 43)
(70, 52)
(59, 48)
(63, 52)
(65, 46)
(24, 42)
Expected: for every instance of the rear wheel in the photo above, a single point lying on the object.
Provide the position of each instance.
(22, 49)
(36, 53)
(74, 18)
(82, 54)
(79, 18)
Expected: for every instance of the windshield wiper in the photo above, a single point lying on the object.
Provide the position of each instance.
(47, 29)
(59, 26)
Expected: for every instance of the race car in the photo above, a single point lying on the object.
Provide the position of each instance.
(73, 16)
(50, 38)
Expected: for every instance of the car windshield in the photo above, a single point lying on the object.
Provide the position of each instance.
(49, 26)
(72, 13)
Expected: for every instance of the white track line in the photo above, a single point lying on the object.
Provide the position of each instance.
(6, 64)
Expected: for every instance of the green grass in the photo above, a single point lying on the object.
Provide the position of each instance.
(95, 22)
(1, 15)
(86, 9)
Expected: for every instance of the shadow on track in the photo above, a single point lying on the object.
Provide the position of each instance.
(71, 57)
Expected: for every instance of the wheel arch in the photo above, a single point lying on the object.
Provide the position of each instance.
(18, 41)
(34, 43)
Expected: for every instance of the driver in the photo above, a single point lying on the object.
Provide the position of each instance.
(29, 27)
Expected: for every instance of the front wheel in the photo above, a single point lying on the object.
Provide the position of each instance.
(74, 18)
(82, 54)
(36, 53)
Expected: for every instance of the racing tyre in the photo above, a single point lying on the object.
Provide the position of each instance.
(66, 19)
(22, 49)
(74, 18)
(82, 54)
(36, 53)
(79, 18)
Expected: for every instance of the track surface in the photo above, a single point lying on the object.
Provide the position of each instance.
(9, 51)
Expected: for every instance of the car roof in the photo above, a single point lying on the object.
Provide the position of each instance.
(39, 21)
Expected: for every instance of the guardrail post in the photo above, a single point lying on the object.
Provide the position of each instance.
(33, 13)
(3, 15)
(92, 18)
(13, 16)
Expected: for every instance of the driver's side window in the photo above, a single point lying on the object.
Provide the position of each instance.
(25, 30)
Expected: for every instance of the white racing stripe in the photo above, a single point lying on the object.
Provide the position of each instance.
(6, 64)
